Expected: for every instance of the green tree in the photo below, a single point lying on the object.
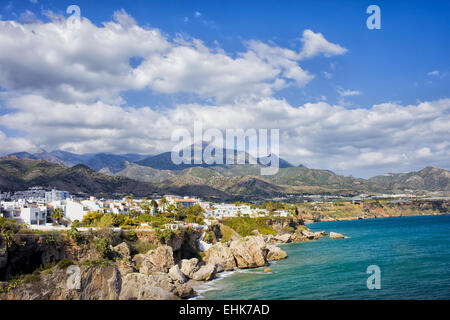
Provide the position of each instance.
(195, 210)
(106, 221)
(57, 215)
(129, 199)
(164, 203)
(146, 206)
(92, 217)
(154, 204)
(133, 213)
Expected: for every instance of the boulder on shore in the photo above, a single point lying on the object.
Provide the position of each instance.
(275, 253)
(189, 267)
(162, 258)
(144, 264)
(164, 281)
(249, 252)
(205, 273)
(285, 238)
(136, 286)
(221, 255)
(335, 235)
(176, 274)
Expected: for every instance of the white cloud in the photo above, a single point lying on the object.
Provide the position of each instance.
(424, 152)
(63, 64)
(74, 65)
(63, 92)
(434, 73)
(13, 144)
(385, 137)
(28, 17)
(315, 44)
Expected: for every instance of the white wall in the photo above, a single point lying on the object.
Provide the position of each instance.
(74, 211)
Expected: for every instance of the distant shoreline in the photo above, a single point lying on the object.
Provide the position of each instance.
(309, 222)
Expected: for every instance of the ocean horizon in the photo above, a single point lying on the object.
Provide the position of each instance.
(413, 254)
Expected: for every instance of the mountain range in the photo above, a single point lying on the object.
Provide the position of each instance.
(145, 174)
(102, 162)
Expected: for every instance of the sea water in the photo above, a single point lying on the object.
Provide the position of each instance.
(412, 253)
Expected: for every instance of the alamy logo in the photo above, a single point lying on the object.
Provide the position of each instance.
(374, 20)
(74, 21)
(374, 281)
(74, 280)
(252, 146)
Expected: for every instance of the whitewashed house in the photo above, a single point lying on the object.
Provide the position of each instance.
(33, 215)
(74, 210)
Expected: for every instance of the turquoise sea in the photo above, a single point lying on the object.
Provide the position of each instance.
(413, 254)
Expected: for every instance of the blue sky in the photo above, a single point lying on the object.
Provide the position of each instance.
(391, 64)
(405, 63)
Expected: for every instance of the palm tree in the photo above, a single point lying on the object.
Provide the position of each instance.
(57, 214)
(154, 204)
(164, 203)
(129, 198)
(145, 205)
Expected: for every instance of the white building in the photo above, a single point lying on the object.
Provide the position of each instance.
(186, 202)
(74, 210)
(92, 205)
(33, 215)
(56, 195)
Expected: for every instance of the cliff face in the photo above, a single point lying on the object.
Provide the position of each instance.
(326, 211)
(85, 272)
(123, 275)
(103, 282)
(26, 252)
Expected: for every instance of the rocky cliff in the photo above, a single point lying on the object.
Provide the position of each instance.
(86, 270)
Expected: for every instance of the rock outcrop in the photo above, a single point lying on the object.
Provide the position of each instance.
(125, 267)
(221, 255)
(158, 274)
(144, 264)
(275, 253)
(102, 283)
(249, 252)
(3, 253)
(307, 235)
(189, 267)
(284, 238)
(335, 235)
(162, 258)
(176, 274)
(136, 286)
(124, 251)
(164, 281)
(96, 283)
(205, 273)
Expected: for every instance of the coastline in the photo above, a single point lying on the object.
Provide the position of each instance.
(310, 222)
(204, 286)
(400, 247)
